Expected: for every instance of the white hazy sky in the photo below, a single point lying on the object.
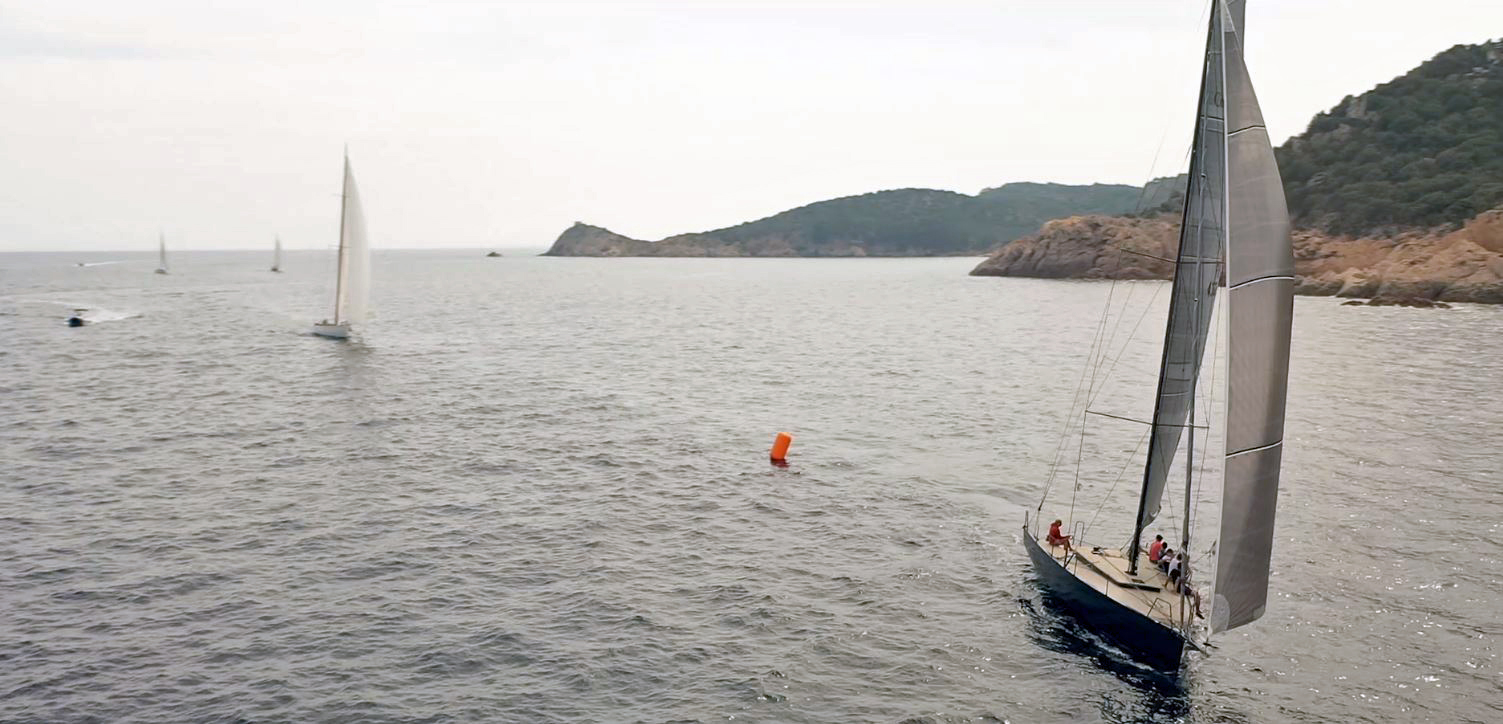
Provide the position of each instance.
(498, 124)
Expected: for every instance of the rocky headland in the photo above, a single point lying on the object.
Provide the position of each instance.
(1461, 265)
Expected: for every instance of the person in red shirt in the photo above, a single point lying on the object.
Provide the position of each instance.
(1156, 549)
(1056, 538)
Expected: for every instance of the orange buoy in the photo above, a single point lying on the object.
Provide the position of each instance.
(780, 445)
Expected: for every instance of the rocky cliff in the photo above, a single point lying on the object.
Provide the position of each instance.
(1090, 247)
(1465, 265)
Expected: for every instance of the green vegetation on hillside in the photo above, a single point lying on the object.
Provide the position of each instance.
(1423, 150)
(926, 221)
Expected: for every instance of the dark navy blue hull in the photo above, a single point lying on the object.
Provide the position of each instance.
(1151, 643)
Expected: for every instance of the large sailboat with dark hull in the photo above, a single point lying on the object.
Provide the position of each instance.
(1235, 231)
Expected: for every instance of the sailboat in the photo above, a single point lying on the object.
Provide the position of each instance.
(161, 253)
(1235, 228)
(352, 285)
(276, 255)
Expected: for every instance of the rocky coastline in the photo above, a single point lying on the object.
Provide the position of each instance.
(1438, 265)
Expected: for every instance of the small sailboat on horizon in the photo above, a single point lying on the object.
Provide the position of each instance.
(1235, 227)
(276, 255)
(352, 284)
(161, 253)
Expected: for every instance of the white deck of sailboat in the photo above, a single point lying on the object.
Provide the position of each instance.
(1148, 593)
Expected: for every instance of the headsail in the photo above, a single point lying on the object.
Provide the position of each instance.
(354, 256)
(1260, 308)
(1197, 274)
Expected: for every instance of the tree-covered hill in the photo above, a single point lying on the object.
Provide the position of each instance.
(900, 222)
(1420, 151)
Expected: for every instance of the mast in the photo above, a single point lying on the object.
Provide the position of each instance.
(1194, 287)
(344, 191)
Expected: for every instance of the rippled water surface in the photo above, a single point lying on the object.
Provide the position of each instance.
(537, 491)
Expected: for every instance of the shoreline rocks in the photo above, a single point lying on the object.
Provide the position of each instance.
(1441, 265)
(1415, 302)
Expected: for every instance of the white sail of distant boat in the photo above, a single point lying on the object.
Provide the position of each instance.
(161, 253)
(276, 255)
(1235, 227)
(352, 285)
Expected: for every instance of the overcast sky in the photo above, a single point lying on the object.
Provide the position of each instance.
(499, 124)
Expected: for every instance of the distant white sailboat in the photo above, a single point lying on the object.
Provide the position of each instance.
(276, 256)
(352, 286)
(161, 253)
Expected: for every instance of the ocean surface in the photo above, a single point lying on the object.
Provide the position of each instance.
(537, 490)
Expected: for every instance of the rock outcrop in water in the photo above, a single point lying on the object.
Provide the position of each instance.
(1090, 247)
(1464, 265)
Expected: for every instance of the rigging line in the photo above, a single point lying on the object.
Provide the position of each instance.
(1125, 250)
(1131, 335)
(1079, 452)
(1140, 421)
(1082, 392)
(1120, 475)
(1117, 327)
(1077, 400)
(1104, 378)
(1157, 149)
(1099, 347)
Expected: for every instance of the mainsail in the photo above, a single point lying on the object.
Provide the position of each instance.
(161, 251)
(1197, 274)
(1260, 310)
(276, 255)
(353, 292)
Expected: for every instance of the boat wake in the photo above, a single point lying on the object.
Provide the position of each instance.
(1062, 634)
(91, 315)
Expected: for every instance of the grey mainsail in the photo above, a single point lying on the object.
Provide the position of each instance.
(1260, 310)
(1197, 274)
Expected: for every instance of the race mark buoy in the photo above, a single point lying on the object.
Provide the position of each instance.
(780, 445)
